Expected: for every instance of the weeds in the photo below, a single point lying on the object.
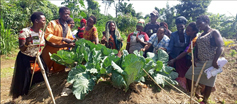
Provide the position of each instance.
(233, 53)
(8, 41)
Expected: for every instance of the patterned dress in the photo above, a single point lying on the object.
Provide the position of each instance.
(206, 53)
(91, 34)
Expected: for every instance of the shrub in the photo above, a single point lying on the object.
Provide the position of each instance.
(233, 53)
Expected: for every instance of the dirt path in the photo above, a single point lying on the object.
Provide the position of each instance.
(104, 93)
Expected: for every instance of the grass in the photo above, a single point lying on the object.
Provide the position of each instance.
(6, 72)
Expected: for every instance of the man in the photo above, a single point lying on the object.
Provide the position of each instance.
(152, 27)
(58, 36)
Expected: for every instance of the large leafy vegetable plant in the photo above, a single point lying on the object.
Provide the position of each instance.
(89, 62)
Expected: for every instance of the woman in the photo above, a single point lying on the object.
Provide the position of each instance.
(90, 32)
(183, 61)
(159, 41)
(209, 46)
(111, 37)
(137, 39)
(25, 60)
(167, 32)
(178, 40)
(81, 29)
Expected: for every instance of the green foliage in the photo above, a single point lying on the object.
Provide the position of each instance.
(100, 61)
(228, 42)
(8, 41)
(192, 8)
(233, 53)
(126, 23)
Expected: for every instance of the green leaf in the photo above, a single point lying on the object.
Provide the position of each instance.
(82, 86)
(162, 56)
(159, 65)
(152, 56)
(132, 72)
(117, 68)
(75, 71)
(117, 80)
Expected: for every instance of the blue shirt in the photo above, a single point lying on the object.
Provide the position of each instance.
(175, 46)
(163, 43)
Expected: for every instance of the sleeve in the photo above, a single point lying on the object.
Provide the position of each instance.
(128, 40)
(22, 35)
(152, 38)
(95, 33)
(188, 49)
(166, 43)
(171, 43)
(50, 34)
(146, 38)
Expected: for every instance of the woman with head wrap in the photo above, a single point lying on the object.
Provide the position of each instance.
(138, 39)
(81, 29)
(111, 37)
(178, 39)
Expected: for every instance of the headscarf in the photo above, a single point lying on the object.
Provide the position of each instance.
(141, 22)
(181, 20)
(116, 34)
(83, 20)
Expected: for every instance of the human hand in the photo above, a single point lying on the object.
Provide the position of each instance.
(214, 64)
(162, 48)
(171, 62)
(28, 40)
(70, 45)
(143, 49)
(67, 40)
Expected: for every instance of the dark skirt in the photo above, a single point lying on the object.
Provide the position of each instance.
(182, 65)
(22, 75)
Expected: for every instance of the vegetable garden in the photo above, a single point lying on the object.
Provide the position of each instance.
(89, 63)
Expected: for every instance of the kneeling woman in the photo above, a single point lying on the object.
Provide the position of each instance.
(25, 60)
(137, 39)
(159, 41)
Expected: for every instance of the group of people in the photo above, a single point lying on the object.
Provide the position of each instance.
(148, 37)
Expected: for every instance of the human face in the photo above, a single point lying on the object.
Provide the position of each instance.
(72, 24)
(153, 18)
(201, 25)
(180, 27)
(111, 27)
(64, 16)
(139, 28)
(82, 24)
(41, 22)
(90, 22)
(189, 31)
(160, 33)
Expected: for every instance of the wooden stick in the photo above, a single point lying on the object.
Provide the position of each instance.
(179, 90)
(199, 77)
(36, 58)
(192, 73)
(159, 86)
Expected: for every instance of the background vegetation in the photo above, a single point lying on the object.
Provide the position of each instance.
(15, 15)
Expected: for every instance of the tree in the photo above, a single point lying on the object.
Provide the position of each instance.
(125, 8)
(192, 8)
(93, 7)
(107, 5)
(74, 6)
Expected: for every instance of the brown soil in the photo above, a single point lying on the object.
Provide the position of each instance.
(104, 93)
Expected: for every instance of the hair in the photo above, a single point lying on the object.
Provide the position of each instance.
(94, 18)
(69, 20)
(163, 28)
(36, 15)
(62, 9)
(204, 18)
(193, 26)
(164, 24)
(109, 22)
